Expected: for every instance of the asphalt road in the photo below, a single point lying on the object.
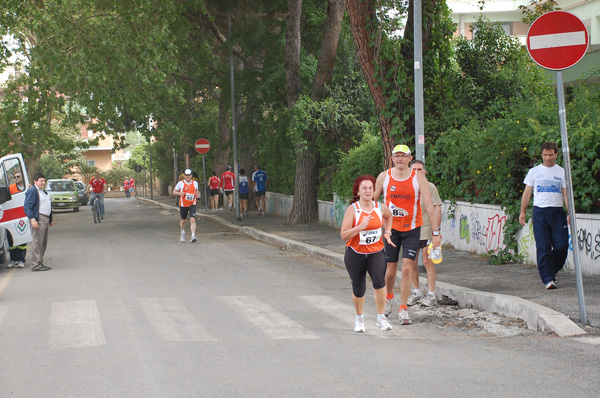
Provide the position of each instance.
(128, 311)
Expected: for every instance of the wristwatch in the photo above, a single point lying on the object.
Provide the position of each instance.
(436, 233)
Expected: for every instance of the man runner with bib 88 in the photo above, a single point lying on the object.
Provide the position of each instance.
(403, 189)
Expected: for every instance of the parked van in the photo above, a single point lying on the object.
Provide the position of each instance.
(14, 181)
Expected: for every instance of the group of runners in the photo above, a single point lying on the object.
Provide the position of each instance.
(188, 192)
(378, 232)
(408, 221)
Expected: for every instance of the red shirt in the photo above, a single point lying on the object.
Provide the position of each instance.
(98, 185)
(214, 182)
(126, 184)
(227, 180)
(132, 183)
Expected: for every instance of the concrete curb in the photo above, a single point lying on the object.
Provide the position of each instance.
(537, 317)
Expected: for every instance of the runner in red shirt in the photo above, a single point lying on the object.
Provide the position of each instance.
(227, 185)
(126, 187)
(213, 190)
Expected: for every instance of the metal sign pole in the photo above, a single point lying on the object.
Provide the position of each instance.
(418, 80)
(204, 179)
(562, 115)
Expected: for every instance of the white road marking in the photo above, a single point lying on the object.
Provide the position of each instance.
(329, 305)
(268, 320)
(172, 320)
(75, 324)
(557, 40)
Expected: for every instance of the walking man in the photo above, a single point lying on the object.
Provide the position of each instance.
(550, 224)
(126, 187)
(188, 192)
(403, 189)
(417, 296)
(38, 209)
(259, 184)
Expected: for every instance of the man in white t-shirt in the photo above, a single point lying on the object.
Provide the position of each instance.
(550, 225)
(188, 193)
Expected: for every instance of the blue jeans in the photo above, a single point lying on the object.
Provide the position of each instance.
(100, 201)
(551, 234)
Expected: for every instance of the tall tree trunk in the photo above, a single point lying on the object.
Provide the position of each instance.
(292, 52)
(363, 20)
(222, 155)
(305, 207)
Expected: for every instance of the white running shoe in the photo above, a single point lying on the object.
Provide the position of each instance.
(11, 264)
(383, 323)
(550, 285)
(182, 238)
(414, 299)
(388, 306)
(359, 325)
(19, 264)
(404, 317)
(429, 301)
(193, 240)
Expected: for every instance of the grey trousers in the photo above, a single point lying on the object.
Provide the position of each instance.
(40, 241)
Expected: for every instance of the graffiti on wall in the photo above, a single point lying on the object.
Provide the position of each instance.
(488, 234)
(527, 241)
(589, 243)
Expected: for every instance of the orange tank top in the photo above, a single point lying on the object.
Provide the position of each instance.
(403, 197)
(189, 199)
(368, 240)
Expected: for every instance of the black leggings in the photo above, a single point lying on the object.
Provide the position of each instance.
(358, 265)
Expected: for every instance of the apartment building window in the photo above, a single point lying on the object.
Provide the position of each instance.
(91, 163)
(506, 26)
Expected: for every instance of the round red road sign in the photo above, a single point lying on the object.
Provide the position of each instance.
(202, 146)
(557, 40)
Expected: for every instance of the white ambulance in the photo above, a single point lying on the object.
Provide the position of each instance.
(13, 221)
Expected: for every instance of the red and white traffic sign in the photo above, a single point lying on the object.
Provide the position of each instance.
(202, 146)
(557, 40)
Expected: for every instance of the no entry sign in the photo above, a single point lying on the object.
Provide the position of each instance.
(557, 40)
(202, 146)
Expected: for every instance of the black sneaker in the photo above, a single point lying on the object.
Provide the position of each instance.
(39, 268)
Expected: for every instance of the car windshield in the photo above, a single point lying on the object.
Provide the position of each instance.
(60, 186)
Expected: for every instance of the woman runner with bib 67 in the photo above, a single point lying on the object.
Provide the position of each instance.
(362, 229)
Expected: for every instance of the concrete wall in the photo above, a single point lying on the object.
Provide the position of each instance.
(475, 228)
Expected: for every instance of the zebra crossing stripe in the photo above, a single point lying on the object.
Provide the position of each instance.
(75, 324)
(267, 319)
(330, 306)
(172, 320)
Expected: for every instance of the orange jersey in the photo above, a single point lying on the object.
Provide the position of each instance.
(189, 190)
(368, 240)
(403, 197)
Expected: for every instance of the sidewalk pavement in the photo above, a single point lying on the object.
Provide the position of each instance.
(513, 290)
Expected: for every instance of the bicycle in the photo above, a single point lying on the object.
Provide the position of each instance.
(96, 209)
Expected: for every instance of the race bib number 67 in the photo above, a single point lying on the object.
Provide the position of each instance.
(370, 236)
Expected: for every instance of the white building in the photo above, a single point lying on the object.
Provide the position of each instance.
(508, 14)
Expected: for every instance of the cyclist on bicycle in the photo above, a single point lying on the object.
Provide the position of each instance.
(98, 185)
